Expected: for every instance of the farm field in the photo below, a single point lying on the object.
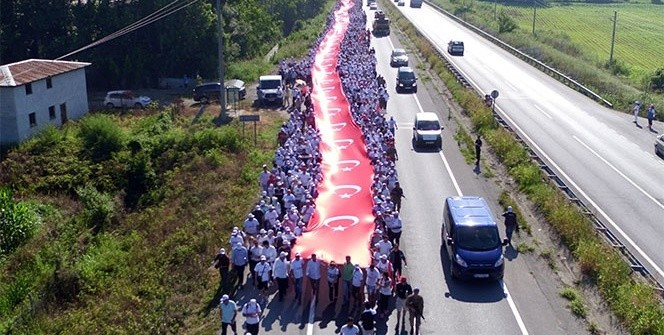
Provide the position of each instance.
(639, 33)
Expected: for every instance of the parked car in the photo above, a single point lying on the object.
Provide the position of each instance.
(210, 91)
(406, 80)
(399, 58)
(125, 99)
(455, 48)
(659, 145)
(270, 89)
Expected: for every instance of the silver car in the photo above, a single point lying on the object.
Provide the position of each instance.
(659, 146)
(125, 99)
(398, 58)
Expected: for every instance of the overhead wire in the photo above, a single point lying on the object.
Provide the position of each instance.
(159, 14)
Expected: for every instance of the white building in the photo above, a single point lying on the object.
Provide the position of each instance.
(38, 92)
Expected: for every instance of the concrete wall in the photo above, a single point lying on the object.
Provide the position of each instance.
(69, 88)
(8, 128)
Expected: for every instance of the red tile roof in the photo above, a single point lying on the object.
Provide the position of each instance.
(27, 71)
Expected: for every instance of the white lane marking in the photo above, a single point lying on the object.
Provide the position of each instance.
(449, 171)
(511, 86)
(510, 302)
(542, 111)
(312, 312)
(620, 173)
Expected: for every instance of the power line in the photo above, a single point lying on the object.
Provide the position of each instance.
(155, 16)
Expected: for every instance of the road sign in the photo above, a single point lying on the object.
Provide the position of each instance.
(494, 94)
(250, 118)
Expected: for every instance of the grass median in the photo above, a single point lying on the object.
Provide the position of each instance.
(635, 303)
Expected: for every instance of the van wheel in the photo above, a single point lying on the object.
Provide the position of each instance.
(109, 105)
(138, 105)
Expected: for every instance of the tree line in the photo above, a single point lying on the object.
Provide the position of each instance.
(183, 43)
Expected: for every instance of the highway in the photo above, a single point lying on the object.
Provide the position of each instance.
(600, 153)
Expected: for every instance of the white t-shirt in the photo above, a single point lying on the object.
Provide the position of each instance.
(357, 277)
(263, 271)
(297, 266)
(372, 276)
(254, 311)
(384, 247)
(352, 330)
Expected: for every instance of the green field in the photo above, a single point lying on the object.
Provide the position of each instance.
(639, 34)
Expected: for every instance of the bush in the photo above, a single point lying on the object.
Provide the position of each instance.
(505, 23)
(656, 81)
(101, 137)
(17, 222)
(99, 207)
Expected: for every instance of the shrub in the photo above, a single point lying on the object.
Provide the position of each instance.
(99, 207)
(17, 222)
(101, 137)
(656, 81)
(505, 23)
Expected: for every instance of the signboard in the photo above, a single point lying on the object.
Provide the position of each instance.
(250, 118)
(494, 94)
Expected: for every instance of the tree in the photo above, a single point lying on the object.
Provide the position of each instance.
(505, 23)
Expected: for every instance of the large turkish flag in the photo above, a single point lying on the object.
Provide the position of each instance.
(343, 223)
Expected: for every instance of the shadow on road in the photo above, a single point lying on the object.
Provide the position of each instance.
(470, 291)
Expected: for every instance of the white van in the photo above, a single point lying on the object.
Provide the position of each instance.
(270, 89)
(427, 130)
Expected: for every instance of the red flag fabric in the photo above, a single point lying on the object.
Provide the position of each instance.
(343, 221)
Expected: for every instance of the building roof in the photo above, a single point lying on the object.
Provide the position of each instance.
(30, 70)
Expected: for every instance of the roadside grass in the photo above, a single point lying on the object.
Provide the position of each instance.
(549, 256)
(582, 54)
(524, 247)
(576, 305)
(635, 303)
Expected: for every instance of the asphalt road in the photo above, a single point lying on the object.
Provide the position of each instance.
(606, 158)
(525, 303)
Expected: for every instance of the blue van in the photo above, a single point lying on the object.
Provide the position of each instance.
(472, 240)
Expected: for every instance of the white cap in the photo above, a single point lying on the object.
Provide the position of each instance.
(283, 254)
(509, 209)
(263, 258)
(222, 251)
(224, 297)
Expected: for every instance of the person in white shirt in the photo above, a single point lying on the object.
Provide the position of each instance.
(235, 238)
(384, 246)
(269, 251)
(251, 225)
(307, 211)
(333, 275)
(371, 281)
(263, 178)
(297, 271)
(262, 270)
(394, 228)
(255, 253)
(280, 271)
(252, 312)
(385, 290)
(313, 272)
(289, 199)
(271, 217)
(350, 328)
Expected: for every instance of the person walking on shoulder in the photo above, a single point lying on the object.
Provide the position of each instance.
(223, 263)
(239, 263)
(510, 223)
(228, 310)
(403, 291)
(478, 150)
(651, 115)
(636, 110)
(415, 306)
(252, 312)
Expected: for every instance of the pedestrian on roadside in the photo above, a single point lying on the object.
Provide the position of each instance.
(239, 263)
(398, 260)
(252, 313)
(347, 278)
(636, 110)
(350, 328)
(228, 309)
(333, 275)
(297, 272)
(651, 115)
(510, 223)
(394, 227)
(392, 124)
(223, 263)
(403, 291)
(478, 150)
(368, 319)
(313, 273)
(396, 194)
(385, 293)
(263, 269)
(287, 96)
(415, 305)
(280, 273)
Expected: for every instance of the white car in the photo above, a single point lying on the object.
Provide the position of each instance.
(401, 3)
(659, 145)
(373, 6)
(126, 99)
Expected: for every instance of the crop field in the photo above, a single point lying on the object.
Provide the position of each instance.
(639, 32)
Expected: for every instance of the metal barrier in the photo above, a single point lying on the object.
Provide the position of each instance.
(545, 68)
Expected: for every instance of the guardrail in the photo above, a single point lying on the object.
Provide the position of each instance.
(527, 58)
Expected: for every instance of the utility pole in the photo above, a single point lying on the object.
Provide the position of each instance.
(495, 5)
(613, 36)
(222, 88)
(534, 14)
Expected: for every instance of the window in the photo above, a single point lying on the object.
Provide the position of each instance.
(51, 112)
(33, 119)
(63, 113)
(28, 88)
(49, 83)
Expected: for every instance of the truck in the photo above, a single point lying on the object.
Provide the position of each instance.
(416, 3)
(381, 25)
(270, 90)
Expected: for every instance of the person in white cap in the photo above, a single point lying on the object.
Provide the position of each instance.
(236, 238)
(333, 274)
(371, 282)
(269, 251)
(251, 225)
(358, 278)
(255, 251)
(271, 217)
(223, 263)
(280, 271)
(252, 313)
(262, 270)
(263, 178)
(510, 223)
(384, 246)
(313, 273)
(228, 309)
(350, 328)
(297, 272)
(240, 259)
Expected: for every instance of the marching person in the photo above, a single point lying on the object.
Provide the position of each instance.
(385, 293)
(350, 328)
(252, 313)
(223, 263)
(636, 110)
(371, 282)
(394, 227)
(263, 269)
(368, 319)
(255, 252)
(651, 116)
(403, 291)
(396, 194)
(478, 150)
(228, 309)
(398, 260)
(239, 263)
(415, 305)
(280, 273)
(313, 273)
(333, 275)
(347, 278)
(510, 223)
(297, 272)
(358, 278)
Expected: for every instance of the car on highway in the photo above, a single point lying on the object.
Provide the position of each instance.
(398, 58)
(406, 80)
(401, 3)
(471, 238)
(455, 48)
(210, 91)
(416, 3)
(373, 6)
(427, 130)
(659, 145)
(125, 99)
